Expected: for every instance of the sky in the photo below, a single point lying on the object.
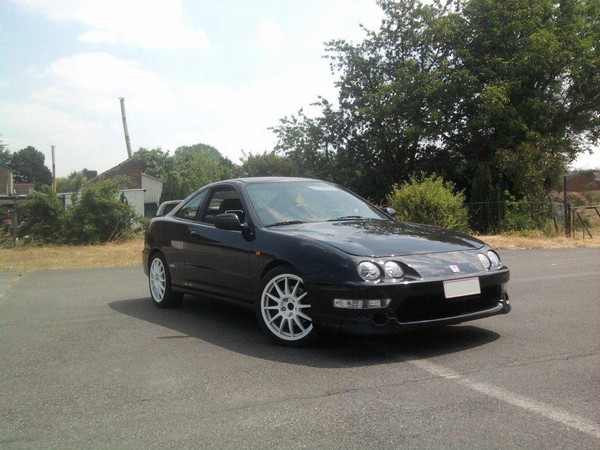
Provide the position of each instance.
(217, 72)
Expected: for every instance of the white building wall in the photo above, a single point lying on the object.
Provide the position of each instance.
(135, 197)
(153, 187)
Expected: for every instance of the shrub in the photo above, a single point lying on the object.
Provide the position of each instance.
(430, 200)
(43, 217)
(521, 215)
(100, 215)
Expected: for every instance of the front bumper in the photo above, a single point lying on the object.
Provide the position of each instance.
(413, 305)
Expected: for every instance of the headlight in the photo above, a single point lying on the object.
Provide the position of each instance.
(484, 260)
(393, 269)
(494, 258)
(369, 271)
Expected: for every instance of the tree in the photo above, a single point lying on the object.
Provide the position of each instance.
(493, 95)
(188, 169)
(268, 164)
(28, 167)
(191, 171)
(4, 155)
(385, 126)
(75, 181)
(530, 91)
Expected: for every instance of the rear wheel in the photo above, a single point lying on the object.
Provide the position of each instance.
(159, 280)
(283, 310)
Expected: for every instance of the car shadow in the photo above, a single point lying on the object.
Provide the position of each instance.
(237, 330)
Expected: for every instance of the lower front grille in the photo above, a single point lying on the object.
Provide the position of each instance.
(432, 307)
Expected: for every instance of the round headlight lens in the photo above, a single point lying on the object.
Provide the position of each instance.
(393, 269)
(494, 258)
(484, 260)
(369, 271)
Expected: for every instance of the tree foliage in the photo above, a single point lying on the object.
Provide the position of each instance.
(75, 181)
(188, 169)
(4, 155)
(268, 164)
(28, 167)
(509, 91)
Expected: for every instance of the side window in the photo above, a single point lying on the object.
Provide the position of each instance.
(190, 209)
(223, 201)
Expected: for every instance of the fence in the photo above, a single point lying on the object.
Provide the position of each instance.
(553, 216)
(579, 212)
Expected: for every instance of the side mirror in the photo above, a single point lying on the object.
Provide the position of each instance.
(389, 211)
(228, 221)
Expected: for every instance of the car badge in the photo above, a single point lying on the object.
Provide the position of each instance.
(454, 269)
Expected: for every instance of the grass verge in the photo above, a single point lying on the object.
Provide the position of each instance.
(123, 254)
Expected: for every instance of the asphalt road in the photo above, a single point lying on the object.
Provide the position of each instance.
(88, 362)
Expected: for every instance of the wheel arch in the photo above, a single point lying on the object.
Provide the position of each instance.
(151, 255)
(274, 264)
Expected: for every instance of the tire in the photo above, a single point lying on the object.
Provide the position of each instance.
(159, 281)
(282, 309)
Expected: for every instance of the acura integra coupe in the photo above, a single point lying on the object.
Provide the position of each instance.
(306, 254)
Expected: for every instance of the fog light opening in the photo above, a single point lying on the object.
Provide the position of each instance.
(380, 319)
(361, 304)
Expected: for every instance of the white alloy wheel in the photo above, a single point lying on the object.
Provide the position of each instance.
(285, 315)
(158, 280)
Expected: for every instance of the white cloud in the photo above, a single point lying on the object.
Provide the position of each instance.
(143, 23)
(95, 81)
(269, 36)
(588, 160)
(79, 143)
(75, 102)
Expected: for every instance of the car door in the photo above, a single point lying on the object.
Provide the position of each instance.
(175, 235)
(217, 260)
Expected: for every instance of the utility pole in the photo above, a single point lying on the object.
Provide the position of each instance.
(53, 169)
(127, 143)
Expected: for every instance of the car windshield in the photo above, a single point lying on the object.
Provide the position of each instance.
(286, 203)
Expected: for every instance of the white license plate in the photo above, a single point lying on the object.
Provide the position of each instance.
(461, 288)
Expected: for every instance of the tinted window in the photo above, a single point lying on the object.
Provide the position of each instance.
(190, 209)
(223, 201)
(307, 201)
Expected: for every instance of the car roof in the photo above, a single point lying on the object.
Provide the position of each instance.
(251, 180)
(257, 180)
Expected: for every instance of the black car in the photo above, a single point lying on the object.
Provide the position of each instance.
(306, 254)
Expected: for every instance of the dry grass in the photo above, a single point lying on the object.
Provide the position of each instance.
(22, 259)
(509, 242)
(27, 258)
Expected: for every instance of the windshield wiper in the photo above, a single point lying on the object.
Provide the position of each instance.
(288, 222)
(346, 218)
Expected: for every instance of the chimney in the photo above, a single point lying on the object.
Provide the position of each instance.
(127, 143)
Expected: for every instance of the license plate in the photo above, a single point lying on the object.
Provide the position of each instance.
(461, 288)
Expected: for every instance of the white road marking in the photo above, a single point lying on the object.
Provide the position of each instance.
(543, 409)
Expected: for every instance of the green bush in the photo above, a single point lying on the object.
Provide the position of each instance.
(521, 215)
(100, 215)
(43, 215)
(430, 200)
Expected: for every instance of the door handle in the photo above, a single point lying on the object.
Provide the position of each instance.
(194, 234)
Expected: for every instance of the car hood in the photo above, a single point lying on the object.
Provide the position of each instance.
(384, 237)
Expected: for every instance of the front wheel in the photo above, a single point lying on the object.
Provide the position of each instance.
(159, 280)
(283, 311)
